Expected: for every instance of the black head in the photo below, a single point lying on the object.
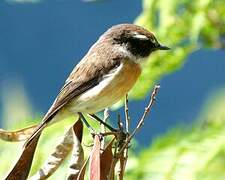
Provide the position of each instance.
(137, 40)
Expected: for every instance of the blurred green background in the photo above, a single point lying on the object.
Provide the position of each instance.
(186, 130)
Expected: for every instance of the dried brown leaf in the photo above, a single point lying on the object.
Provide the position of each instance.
(19, 135)
(106, 161)
(77, 159)
(82, 171)
(95, 160)
(60, 153)
(121, 166)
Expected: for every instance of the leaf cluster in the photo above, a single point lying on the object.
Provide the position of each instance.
(185, 26)
(197, 152)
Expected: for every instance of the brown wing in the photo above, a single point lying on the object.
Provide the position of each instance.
(83, 77)
(70, 90)
(86, 75)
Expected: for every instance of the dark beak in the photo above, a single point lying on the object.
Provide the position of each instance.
(162, 47)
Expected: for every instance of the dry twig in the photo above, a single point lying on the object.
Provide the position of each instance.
(103, 129)
(127, 117)
(125, 145)
(141, 121)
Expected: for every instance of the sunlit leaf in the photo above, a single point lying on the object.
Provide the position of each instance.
(19, 135)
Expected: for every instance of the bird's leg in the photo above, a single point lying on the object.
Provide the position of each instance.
(102, 122)
(119, 133)
(86, 123)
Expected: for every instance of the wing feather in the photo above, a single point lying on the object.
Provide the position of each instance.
(86, 75)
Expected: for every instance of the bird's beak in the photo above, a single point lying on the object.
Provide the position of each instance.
(162, 47)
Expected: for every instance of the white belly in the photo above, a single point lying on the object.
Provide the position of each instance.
(110, 90)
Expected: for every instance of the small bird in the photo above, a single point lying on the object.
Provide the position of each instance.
(104, 75)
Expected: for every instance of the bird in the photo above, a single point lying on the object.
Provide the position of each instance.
(104, 75)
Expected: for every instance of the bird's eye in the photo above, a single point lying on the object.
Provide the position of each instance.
(153, 41)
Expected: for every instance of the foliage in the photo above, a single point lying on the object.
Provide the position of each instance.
(195, 153)
(183, 25)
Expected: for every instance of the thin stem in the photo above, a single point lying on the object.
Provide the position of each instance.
(127, 113)
(147, 110)
(103, 129)
(141, 121)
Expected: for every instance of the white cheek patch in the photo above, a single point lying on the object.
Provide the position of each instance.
(123, 49)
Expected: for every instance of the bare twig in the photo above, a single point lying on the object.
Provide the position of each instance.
(119, 122)
(139, 125)
(103, 130)
(127, 117)
(112, 168)
(122, 165)
(123, 160)
(106, 115)
(146, 112)
(114, 159)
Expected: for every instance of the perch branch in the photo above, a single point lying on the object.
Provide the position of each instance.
(139, 125)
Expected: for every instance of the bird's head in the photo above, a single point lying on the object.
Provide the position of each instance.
(133, 40)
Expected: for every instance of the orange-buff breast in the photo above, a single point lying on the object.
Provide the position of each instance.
(105, 95)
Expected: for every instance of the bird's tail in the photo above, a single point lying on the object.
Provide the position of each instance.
(35, 134)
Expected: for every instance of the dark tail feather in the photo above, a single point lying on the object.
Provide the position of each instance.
(35, 134)
(22, 167)
(48, 117)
